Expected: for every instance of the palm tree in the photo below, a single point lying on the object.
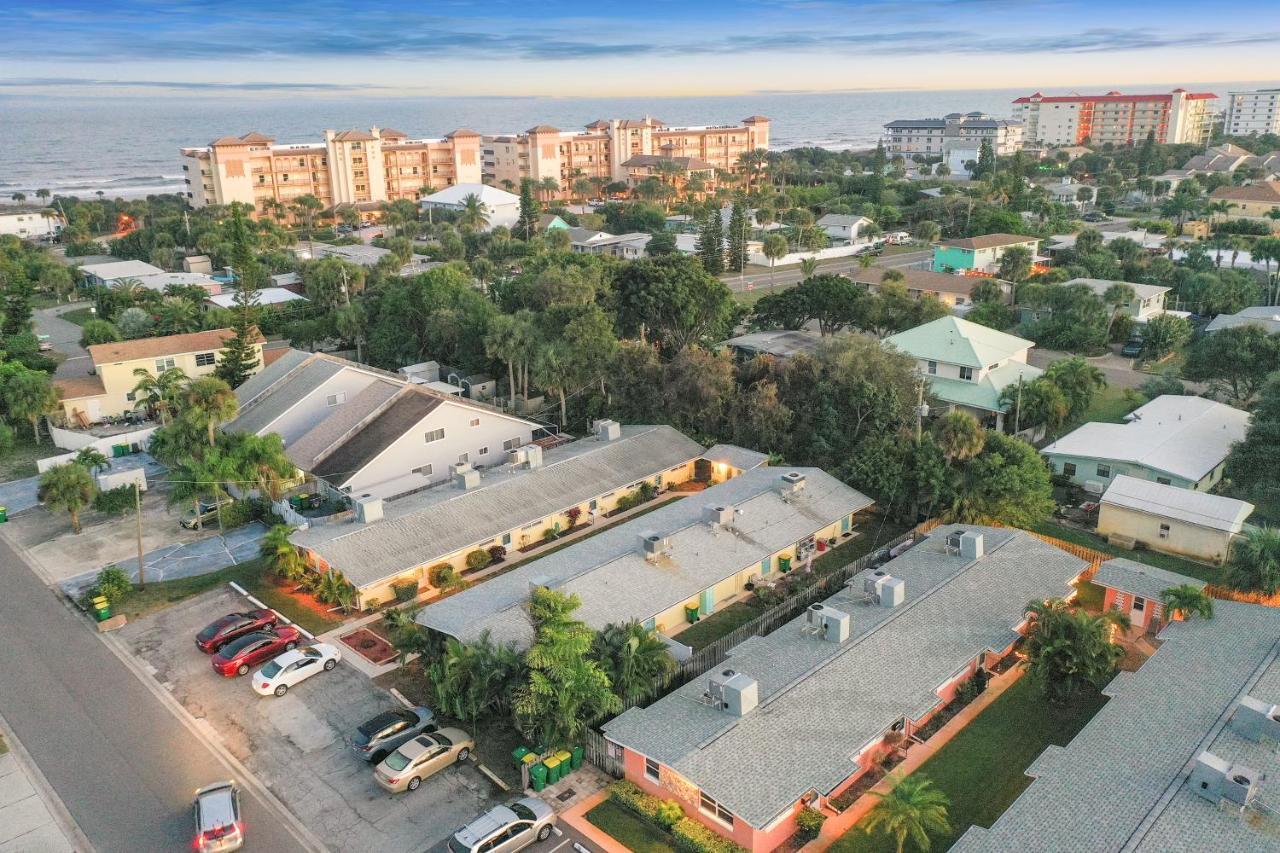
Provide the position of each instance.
(1116, 297)
(550, 186)
(20, 198)
(68, 487)
(553, 372)
(959, 436)
(261, 458)
(1078, 380)
(775, 247)
(636, 660)
(158, 394)
(752, 163)
(305, 207)
(30, 394)
(281, 555)
(1255, 561)
(808, 267)
(42, 194)
(1071, 650)
(210, 401)
(1219, 208)
(475, 213)
(177, 316)
(128, 288)
(913, 809)
(1187, 600)
(92, 460)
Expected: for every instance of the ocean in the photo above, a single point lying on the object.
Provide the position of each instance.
(128, 146)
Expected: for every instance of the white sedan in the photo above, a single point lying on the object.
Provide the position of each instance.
(294, 667)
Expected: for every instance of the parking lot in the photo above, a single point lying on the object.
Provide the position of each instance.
(298, 745)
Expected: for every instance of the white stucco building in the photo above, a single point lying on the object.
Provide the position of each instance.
(502, 207)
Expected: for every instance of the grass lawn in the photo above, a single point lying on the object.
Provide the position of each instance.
(631, 831)
(1151, 558)
(20, 461)
(1090, 596)
(707, 630)
(79, 316)
(751, 297)
(982, 768)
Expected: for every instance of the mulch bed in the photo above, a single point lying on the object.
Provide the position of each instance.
(302, 598)
(544, 542)
(369, 646)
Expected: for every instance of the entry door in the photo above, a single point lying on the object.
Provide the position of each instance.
(708, 602)
(1138, 612)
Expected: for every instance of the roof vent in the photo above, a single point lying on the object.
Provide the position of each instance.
(1216, 780)
(827, 623)
(733, 692)
(721, 515)
(607, 430)
(465, 477)
(792, 483)
(1256, 720)
(654, 546)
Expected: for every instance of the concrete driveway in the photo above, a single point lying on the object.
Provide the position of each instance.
(1118, 369)
(299, 744)
(65, 337)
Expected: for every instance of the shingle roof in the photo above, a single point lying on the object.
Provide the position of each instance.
(988, 241)
(821, 703)
(736, 457)
(260, 412)
(1121, 783)
(925, 281)
(1267, 192)
(354, 136)
(425, 527)
(543, 128)
(262, 381)
(1265, 316)
(1101, 285)
(1180, 435)
(956, 341)
(384, 430)
(212, 339)
(77, 387)
(1213, 511)
(781, 343)
(842, 220)
(460, 133)
(616, 583)
(307, 450)
(1140, 579)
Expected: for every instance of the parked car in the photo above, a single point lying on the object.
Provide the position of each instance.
(294, 667)
(207, 514)
(218, 633)
(1132, 348)
(505, 829)
(421, 758)
(1094, 216)
(375, 739)
(218, 824)
(239, 656)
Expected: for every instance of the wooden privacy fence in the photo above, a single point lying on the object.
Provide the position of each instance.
(602, 753)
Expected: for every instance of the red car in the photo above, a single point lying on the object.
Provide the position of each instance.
(237, 656)
(217, 634)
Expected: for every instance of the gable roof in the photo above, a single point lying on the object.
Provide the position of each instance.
(79, 387)
(307, 450)
(456, 194)
(782, 343)
(354, 136)
(461, 133)
(1140, 579)
(1180, 435)
(1204, 510)
(349, 458)
(1267, 192)
(925, 281)
(420, 529)
(113, 270)
(988, 241)
(957, 341)
(1100, 286)
(213, 339)
(842, 220)
(259, 413)
(1265, 316)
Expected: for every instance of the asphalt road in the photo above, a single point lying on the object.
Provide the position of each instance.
(837, 266)
(122, 762)
(65, 337)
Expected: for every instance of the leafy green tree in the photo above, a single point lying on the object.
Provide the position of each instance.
(1164, 334)
(331, 282)
(1236, 362)
(1187, 600)
(661, 244)
(1007, 482)
(92, 460)
(29, 395)
(993, 315)
(98, 332)
(959, 436)
(566, 689)
(589, 344)
(1254, 564)
(17, 306)
(736, 238)
(835, 302)
(281, 555)
(634, 658)
(1015, 264)
(134, 323)
(1070, 650)
(1078, 380)
(527, 223)
(710, 244)
(674, 302)
(913, 809)
(786, 309)
(472, 681)
(70, 488)
(1253, 466)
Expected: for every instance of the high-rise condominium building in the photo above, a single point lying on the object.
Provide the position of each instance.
(931, 137)
(1179, 116)
(1253, 112)
(367, 167)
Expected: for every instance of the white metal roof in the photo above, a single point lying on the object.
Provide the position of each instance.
(1204, 510)
(456, 194)
(120, 269)
(266, 296)
(1101, 285)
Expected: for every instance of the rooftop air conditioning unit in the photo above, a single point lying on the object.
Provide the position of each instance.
(891, 591)
(828, 623)
(527, 456)
(1256, 720)
(368, 509)
(721, 515)
(792, 483)
(971, 544)
(653, 545)
(1216, 780)
(607, 430)
(465, 477)
(732, 691)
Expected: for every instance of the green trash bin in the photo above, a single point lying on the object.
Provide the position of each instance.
(566, 762)
(538, 776)
(4, 514)
(784, 564)
(691, 613)
(119, 450)
(577, 756)
(518, 754)
(101, 608)
(554, 772)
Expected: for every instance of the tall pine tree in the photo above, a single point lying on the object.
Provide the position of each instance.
(527, 224)
(710, 245)
(736, 239)
(986, 160)
(239, 354)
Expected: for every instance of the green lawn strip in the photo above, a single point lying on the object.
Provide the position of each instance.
(20, 461)
(1151, 558)
(982, 769)
(708, 629)
(629, 830)
(79, 316)
(1090, 596)
(601, 527)
(762, 289)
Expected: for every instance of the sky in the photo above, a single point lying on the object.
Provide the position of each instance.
(572, 48)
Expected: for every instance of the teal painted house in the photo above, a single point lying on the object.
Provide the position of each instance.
(980, 254)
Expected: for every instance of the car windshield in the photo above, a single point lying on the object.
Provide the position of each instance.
(397, 760)
(271, 670)
(456, 846)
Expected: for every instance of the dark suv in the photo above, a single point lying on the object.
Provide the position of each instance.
(379, 737)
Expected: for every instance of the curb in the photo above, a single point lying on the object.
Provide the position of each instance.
(57, 809)
(283, 618)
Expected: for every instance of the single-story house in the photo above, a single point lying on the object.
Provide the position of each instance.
(1068, 192)
(672, 566)
(161, 281)
(370, 433)
(103, 274)
(949, 289)
(363, 255)
(979, 255)
(588, 242)
(512, 506)
(794, 718)
(1171, 520)
(1147, 301)
(265, 296)
(1137, 590)
(1250, 201)
(780, 344)
(1175, 440)
(1266, 317)
(844, 226)
(1181, 757)
(501, 207)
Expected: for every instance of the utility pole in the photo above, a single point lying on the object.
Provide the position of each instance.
(1017, 414)
(919, 409)
(137, 511)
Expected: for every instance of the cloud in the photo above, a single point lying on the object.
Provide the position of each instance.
(185, 85)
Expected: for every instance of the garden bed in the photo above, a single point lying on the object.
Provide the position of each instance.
(369, 646)
(628, 829)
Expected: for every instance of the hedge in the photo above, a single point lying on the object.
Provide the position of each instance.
(690, 836)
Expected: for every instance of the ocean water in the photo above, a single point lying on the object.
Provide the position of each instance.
(128, 146)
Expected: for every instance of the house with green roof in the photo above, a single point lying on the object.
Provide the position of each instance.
(968, 365)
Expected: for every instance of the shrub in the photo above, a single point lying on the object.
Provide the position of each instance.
(573, 514)
(770, 595)
(117, 501)
(238, 514)
(7, 437)
(809, 821)
(668, 813)
(478, 559)
(548, 534)
(405, 590)
(646, 492)
(693, 837)
(442, 576)
(497, 553)
(114, 583)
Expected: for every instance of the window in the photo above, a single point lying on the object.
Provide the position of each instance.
(651, 769)
(163, 364)
(1164, 481)
(506, 539)
(710, 807)
(204, 359)
(336, 399)
(424, 470)
(966, 373)
(435, 435)
(1104, 470)
(933, 368)
(464, 458)
(484, 451)
(513, 443)
(475, 422)
(1164, 531)
(130, 396)
(1069, 468)
(1139, 604)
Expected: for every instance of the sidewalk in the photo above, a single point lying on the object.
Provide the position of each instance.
(32, 819)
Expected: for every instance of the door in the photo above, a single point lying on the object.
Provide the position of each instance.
(303, 670)
(519, 836)
(436, 760)
(844, 524)
(707, 601)
(1138, 612)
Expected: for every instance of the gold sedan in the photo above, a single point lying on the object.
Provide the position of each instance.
(424, 756)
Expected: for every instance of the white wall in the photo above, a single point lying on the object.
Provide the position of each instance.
(69, 440)
(29, 224)
(797, 257)
(391, 473)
